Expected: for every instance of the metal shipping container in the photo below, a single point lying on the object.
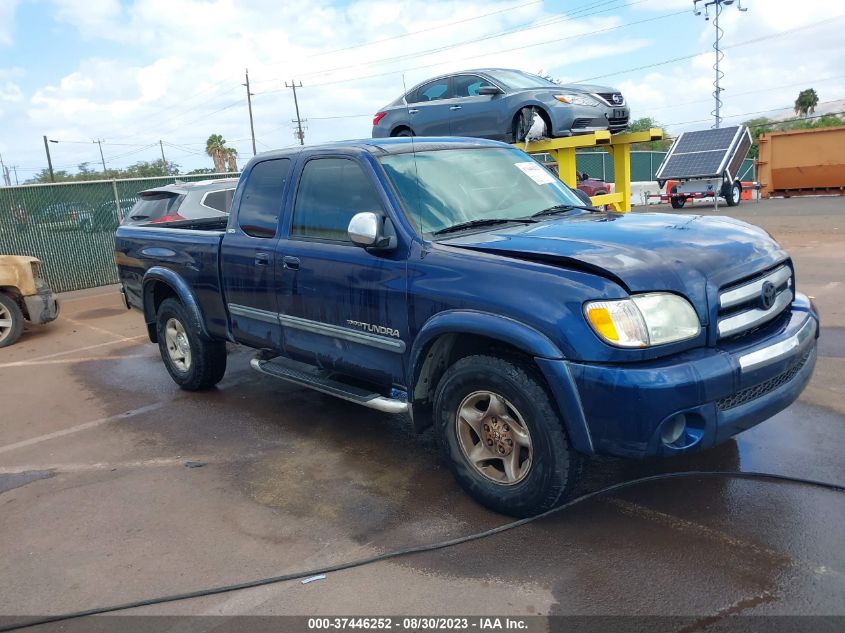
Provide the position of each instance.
(802, 162)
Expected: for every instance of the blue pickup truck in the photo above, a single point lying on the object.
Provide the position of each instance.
(457, 282)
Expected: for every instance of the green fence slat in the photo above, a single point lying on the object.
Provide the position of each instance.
(70, 226)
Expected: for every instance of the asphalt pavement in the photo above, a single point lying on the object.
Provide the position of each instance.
(115, 485)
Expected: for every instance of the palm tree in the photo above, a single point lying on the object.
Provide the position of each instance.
(215, 147)
(232, 159)
(806, 102)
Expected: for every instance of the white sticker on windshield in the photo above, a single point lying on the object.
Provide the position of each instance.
(536, 172)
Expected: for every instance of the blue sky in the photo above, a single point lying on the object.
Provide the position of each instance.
(136, 72)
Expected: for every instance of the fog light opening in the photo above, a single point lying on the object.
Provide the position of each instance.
(673, 429)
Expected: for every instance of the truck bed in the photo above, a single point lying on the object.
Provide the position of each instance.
(189, 248)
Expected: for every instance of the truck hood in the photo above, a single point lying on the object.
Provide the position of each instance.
(642, 252)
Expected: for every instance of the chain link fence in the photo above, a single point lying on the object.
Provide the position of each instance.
(70, 226)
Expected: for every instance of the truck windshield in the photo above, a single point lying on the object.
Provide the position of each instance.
(445, 188)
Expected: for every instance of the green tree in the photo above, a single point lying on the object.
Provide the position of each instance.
(758, 126)
(643, 124)
(215, 147)
(43, 176)
(149, 169)
(200, 170)
(806, 102)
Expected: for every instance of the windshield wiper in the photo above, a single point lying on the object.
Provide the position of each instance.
(485, 222)
(561, 208)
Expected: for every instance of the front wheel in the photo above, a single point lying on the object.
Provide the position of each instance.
(193, 362)
(11, 321)
(502, 436)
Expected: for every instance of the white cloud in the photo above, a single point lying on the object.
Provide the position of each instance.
(7, 21)
(188, 59)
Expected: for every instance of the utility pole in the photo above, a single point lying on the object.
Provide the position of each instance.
(99, 142)
(5, 171)
(299, 133)
(49, 160)
(163, 159)
(717, 10)
(15, 169)
(249, 96)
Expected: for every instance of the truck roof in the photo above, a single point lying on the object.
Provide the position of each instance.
(386, 146)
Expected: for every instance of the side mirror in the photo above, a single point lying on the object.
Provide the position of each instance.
(488, 90)
(372, 231)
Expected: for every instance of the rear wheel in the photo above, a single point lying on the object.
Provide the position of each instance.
(11, 321)
(502, 437)
(403, 132)
(194, 363)
(732, 193)
(678, 202)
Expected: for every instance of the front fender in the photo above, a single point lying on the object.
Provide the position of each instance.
(493, 326)
(546, 354)
(180, 288)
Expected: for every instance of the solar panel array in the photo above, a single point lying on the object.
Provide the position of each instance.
(699, 154)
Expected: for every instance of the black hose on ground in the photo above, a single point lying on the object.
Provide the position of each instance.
(417, 549)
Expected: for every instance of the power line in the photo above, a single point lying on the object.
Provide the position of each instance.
(774, 122)
(427, 30)
(752, 92)
(525, 27)
(557, 40)
(737, 45)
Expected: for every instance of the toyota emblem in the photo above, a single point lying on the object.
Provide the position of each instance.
(767, 295)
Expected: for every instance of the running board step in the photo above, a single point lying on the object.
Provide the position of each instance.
(319, 380)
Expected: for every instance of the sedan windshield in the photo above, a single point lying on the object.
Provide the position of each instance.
(518, 80)
(447, 188)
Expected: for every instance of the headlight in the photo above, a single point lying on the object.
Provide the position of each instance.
(643, 320)
(577, 99)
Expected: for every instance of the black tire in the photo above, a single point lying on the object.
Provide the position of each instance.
(732, 193)
(207, 360)
(404, 132)
(553, 464)
(678, 202)
(9, 334)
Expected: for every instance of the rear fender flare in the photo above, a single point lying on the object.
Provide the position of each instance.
(160, 275)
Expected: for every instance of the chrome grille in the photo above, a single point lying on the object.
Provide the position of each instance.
(744, 307)
(612, 98)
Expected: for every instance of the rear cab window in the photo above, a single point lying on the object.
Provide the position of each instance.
(261, 201)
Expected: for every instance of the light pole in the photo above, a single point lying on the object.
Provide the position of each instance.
(717, 10)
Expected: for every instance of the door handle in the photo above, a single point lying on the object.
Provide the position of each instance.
(413, 111)
(455, 107)
(262, 259)
(291, 263)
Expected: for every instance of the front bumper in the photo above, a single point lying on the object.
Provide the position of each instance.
(628, 410)
(42, 307)
(567, 120)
